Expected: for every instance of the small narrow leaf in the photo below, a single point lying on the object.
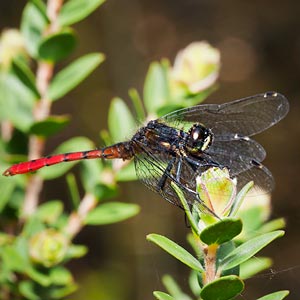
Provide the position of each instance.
(162, 296)
(16, 102)
(156, 89)
(76, 251)
(111, 212)
(121, 123)
(40, 5)
(57, 46)
(6, 187)
(275, 296)
(61, 276)
(33, 25)
(138, 104)
(240, 198)
(49, 211)
(72, 75)
(27, 289)
(173, 288)
(248, 249)
(176, 251)
(24, 74)
(49, 126)
(73, 188)
(253, 266)
(127, 173)
(224, 288)
(186, 208)
(222, 231)
(76, 10)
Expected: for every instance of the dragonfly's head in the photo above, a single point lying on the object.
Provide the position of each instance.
(199, 139)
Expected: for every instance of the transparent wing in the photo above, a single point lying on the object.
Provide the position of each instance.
(151, 169)
(237, 154)
(243, 157)
(244, 117)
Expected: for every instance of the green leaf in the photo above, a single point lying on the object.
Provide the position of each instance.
(97, 180)
(176, 251)
(224, 288)
(127, 173)
(138, 104)
(173, 288)
(74, 144)
(121, 123)
(248, 249)
(57, 46)
(111, 212)
(186, 208)
(6, 187)
(73, 188)
(76, 251)
(12, 259)
(39, 277)
(16, 102)
(240, 198)
(70, 77)
(27, 289)
(156, 89)
(49, 211)
(32, 226)
(253, 266)
(24, 74)
(76, 10)
(61, 276)
(40, 5)
(272, 225)
(222, 231)
(33, 25)
(162, 296)
(50, 126)
(275, 296)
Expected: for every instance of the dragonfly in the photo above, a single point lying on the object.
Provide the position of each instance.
(178, 147)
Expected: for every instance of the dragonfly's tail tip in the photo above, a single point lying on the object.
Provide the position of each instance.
(7, 173)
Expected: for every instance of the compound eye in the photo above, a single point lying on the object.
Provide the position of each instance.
(199, 139)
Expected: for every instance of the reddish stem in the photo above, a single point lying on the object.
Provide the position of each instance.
(41, 111)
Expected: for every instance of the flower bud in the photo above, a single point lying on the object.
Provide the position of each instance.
(11, 45)
(217, 190)
(196, 68)
(48, 247)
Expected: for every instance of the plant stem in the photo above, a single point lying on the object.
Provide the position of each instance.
(210, 263)
(41, 111)
(76, 219)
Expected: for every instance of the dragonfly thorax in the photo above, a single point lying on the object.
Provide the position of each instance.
(199, 139)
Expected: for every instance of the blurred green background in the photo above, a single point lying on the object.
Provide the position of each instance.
(260, 47)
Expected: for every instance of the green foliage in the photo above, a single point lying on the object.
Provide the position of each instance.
(176, 251)
(57, 46)
(68, 78)
(224, 288)
(221, 232)
(223, 259)
(111, 212)
(76, 10)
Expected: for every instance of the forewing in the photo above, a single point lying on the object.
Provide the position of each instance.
(244, 117)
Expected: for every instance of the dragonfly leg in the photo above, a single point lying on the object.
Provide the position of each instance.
(166, 174)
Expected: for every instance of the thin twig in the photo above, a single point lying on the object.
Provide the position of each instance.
(44, 75)
(76, 219)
